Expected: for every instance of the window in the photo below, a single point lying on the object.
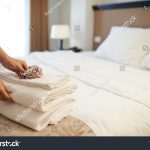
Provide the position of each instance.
(14, 27)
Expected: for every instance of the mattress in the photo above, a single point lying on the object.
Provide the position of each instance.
(110, 101)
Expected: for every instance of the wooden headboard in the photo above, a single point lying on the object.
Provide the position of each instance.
(131, 14)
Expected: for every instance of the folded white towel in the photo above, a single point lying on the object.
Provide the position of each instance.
(37, 102)
(43, 99)
(47, 81)
(35, 119)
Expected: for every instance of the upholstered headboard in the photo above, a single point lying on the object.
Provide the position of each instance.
(131, 14)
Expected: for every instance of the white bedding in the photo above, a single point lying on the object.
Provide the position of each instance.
(110, 101)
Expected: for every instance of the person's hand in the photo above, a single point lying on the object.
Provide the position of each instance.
(5, 92)
(15, 65)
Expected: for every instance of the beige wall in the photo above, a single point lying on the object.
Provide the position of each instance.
(82, 15)
(64, 17)
(59, 15)
(78, 16)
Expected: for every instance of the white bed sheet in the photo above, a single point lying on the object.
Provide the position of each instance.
(110, 101)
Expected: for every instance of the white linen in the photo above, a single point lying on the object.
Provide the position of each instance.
(125, 45)
(110, 101)
(35, 119)
(45, 99)
(26, 92)
(47, 81)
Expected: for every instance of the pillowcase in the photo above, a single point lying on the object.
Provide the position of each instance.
(125, 45)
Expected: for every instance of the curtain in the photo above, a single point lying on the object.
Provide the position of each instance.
(39, 39)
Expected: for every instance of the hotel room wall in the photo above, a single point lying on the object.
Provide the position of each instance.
(64, 17)
(82, 16)
(73, 12)
(52, 19)
(59, 15)
(78, 16)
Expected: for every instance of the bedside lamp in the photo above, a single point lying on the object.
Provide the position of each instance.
(60, 32)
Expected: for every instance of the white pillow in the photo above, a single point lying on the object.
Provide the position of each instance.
(125, 45)
(146, 62)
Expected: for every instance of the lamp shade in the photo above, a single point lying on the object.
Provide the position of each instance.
(60, 32)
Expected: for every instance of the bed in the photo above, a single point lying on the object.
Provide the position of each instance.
(111, 100)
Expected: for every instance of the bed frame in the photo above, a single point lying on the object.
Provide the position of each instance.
(120, 14)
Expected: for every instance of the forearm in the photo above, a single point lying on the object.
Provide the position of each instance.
(3, 56)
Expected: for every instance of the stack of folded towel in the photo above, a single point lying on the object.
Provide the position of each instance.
(37, 102)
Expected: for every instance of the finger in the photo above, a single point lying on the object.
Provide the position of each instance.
(1, 92)
(8, 89)
(24, 65)
(20, 69)
(5, 95)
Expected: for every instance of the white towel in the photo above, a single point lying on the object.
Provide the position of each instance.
(37, 102)
(34, 119)
(43, 99)
(47, 81)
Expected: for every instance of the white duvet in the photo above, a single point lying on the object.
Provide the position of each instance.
(109, 101)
